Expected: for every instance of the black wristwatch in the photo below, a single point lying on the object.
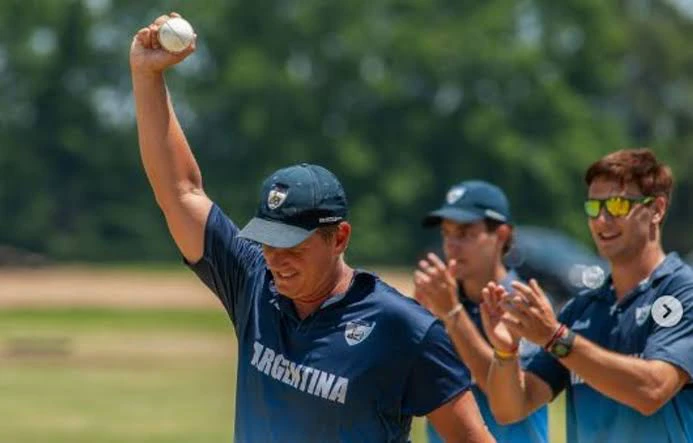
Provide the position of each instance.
(562, 346)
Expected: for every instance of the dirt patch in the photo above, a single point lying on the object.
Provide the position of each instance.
(57, 287)
(92, 287)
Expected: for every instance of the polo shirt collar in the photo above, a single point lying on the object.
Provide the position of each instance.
(671, 263)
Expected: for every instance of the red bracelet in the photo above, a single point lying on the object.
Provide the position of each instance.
(556, 335)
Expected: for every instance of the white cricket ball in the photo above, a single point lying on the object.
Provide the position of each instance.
(176, 34)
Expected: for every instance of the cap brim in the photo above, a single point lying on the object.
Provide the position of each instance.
(455, 214)
(273, 233)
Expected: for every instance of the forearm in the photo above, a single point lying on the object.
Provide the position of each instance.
(506, 391)
(474, 351)
(459, 420)
(168, 161)
(628, 380)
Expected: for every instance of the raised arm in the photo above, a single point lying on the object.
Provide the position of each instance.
(168, 161)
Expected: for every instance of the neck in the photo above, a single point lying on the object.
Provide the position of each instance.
(337, 283)
(627, 273)
(473, 285)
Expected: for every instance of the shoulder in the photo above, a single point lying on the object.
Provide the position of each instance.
(399, 313)
(678, 281)
(682, 275)
(221, 230)
(218, 217)
(220, 225)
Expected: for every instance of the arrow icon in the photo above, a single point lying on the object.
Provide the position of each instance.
(668, 309)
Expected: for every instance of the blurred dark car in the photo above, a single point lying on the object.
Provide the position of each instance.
(562, 265)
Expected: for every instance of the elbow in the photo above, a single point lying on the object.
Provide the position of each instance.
(650, 403)
(504, 418)
(651, 398)
(648, 409)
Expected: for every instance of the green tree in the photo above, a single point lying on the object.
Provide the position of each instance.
(400, 98)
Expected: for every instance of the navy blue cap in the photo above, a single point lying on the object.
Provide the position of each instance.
(295, 201)
(472, 201)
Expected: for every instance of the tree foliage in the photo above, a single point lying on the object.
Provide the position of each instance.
(400, 98)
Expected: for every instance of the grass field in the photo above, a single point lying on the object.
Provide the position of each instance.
(117, 374)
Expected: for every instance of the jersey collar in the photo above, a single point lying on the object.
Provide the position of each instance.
(671, 263)
(360, 284)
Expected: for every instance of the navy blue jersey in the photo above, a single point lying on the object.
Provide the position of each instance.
(357, 369)
(534, 428)
(627, 327)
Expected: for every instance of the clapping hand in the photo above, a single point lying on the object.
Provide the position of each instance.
(435, 285)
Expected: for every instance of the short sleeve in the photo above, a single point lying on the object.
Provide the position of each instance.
(674, 344)
(527, 351)
(229, 266)
(546, 366)
(437, 374)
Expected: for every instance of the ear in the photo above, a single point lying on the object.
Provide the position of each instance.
(660, 208)
(342, 237)
(504, 232)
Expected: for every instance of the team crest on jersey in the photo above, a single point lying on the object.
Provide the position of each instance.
(357, 331)
(276, 197)
(454, 194)
(641, 314)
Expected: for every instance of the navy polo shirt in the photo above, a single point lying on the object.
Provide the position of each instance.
(357, 369)
(534, 428)
(627, 327)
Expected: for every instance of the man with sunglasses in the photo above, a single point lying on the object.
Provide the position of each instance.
(623, 352)
(476, 229)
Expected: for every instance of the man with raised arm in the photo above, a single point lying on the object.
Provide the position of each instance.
(326, 352)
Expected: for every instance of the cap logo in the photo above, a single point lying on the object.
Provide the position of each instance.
(276, 197)
(454, 195)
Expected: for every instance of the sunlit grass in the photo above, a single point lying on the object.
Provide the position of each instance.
(91, 375)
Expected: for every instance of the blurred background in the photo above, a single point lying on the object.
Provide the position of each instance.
(106, 337)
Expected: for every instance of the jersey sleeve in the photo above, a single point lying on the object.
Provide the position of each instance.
(527, 351)
(546, 366)
(437, 375)
(230, 265)
(674, 344)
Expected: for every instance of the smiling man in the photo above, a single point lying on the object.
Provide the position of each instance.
(326, 353)
(623, 351)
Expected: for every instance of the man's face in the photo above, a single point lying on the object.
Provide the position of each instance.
(304, 272)
(472, 245)
(620, 238)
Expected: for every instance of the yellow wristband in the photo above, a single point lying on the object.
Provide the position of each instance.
(504, 355)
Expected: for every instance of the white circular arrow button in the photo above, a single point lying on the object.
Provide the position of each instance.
(667, 311)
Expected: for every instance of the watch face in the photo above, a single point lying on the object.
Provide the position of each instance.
(560, 350)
